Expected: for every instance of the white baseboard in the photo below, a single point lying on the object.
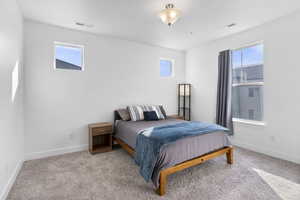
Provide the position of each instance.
(269, 152)
(55, 152)
(4, 193)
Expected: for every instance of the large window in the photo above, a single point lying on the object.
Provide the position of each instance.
(247, 83)
(166, 67)
(68, 56)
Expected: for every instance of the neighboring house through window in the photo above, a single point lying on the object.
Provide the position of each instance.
(248, 82)
(68, 56)
(251, 92)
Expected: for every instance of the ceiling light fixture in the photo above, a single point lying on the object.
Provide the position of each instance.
(169, 15)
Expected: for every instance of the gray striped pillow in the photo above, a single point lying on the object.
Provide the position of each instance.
(137, 112)
(155, 108)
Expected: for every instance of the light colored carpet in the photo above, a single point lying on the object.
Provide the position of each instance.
(113, 176)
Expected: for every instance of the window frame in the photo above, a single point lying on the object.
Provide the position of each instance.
(56, 43)
(257, 83)
(173, 67)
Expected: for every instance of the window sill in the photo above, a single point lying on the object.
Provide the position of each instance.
(250, 122)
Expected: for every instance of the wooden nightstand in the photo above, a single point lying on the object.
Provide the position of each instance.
(176, 117)
(100, 137)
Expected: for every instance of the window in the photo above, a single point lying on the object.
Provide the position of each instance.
(251, 114)
(68, 56)
(251, 92)
(247, 83)
(166, 67)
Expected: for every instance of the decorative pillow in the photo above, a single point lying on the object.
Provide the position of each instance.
(136, 113)
(156, 109)
(163, 111)
(150, 116)
(124, 114)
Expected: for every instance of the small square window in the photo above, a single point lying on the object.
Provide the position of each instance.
(166, 68)
(68, 56)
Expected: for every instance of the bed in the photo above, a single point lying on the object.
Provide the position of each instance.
(182, 154)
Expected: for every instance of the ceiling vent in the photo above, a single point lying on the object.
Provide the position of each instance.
(84, 24)
(231, 25)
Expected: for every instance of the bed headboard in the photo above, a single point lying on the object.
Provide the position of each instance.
(116, 116)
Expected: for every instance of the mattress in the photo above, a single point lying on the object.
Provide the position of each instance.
(173, 153)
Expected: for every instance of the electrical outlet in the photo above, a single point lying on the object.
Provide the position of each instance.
(2, 168)
(6, 168)
(71, 136)
(273, 139)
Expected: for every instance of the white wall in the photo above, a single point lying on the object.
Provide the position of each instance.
(11, 110)
(280, 136)
(60, 103)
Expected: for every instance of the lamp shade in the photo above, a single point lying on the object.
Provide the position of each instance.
(184, 90)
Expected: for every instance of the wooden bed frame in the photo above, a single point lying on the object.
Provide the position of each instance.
(164, 173)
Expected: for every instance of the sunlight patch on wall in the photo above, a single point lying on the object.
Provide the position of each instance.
(285, 188)
(15, 81)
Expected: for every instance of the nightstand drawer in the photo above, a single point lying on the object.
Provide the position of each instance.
(102, 130)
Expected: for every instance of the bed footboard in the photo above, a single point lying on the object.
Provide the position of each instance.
(190, 163)
(196, 161)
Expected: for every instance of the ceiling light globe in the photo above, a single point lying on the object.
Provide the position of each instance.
(169, 15)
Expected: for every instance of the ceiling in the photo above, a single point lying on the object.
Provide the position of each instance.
(137, 20)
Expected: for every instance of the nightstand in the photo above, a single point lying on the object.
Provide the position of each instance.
(176, 117)
(100, 137)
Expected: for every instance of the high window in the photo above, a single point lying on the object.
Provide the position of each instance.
(248, 83)
(166, 67)
(68, 56)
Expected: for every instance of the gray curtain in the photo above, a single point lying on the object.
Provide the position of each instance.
(223, 112)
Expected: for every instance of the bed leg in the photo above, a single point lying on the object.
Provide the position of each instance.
(229, 155)
(162, 183)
